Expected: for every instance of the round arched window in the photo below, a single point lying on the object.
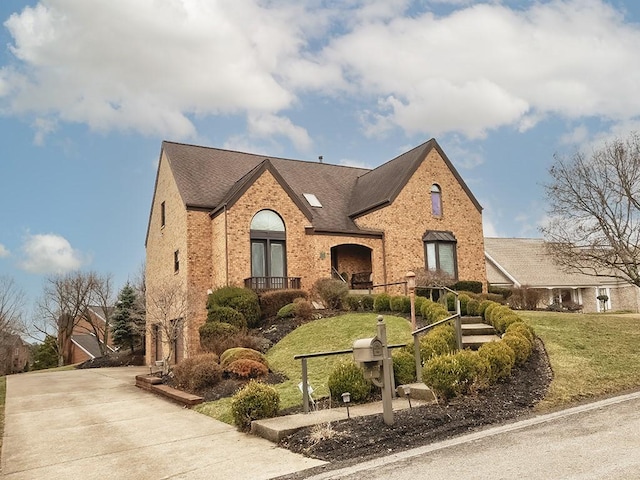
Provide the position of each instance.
(267, 220)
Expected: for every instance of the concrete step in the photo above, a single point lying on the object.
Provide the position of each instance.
(467, 320)
(476, 341)
(477, 329)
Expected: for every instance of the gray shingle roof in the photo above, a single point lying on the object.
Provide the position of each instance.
(88, 343)
(210, 178)
(526, 261)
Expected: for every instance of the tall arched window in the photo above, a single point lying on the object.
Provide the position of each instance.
(268, 249)
(436, 200)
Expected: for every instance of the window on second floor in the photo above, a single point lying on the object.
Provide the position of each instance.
(440, 253)
(162, 214)
(436, 200)
(176, 261)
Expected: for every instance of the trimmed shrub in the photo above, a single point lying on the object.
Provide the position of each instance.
(253, 402)
(302, 308)
(367, 303)
(271, 302)
(497, 292)
(520, 346)
(523, 329)
(467, 286)
(455, 374)
(433, 312)
(382, 302)
(183, 371)
(450, 301)
(486, 314)
(464, 300)
(419, 303)
(243, 300)
(354, 302)
(205, 375)
(237, 353)
(482, 307)
(472, 307)
(440, 341)
(216, 313)
(348, 377)
(400, 303)
(213, 333)
(504, 321)
(332, 292)
(404, 367)
(287, 311)
(501, 359)
(246, 368)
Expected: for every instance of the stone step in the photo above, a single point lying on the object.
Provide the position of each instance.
(477, 329)
(467, 320)
(476, 341)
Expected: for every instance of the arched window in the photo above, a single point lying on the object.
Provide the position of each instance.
(436, 200)
(268, 249)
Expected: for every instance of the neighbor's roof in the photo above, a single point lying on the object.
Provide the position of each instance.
(525, 261)
(212, 178)
(88, 343)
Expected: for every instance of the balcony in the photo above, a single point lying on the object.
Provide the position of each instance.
(263, 284)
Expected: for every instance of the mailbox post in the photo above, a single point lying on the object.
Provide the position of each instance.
(373, 355)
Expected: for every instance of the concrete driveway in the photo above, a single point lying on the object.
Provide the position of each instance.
(95, 424)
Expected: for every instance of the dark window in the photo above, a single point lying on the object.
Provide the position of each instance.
(268, 245)
(176, 261)
(440, 253)
(162, 214)
(436, 200)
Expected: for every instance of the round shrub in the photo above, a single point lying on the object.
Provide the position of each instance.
(439, 341)
(245, 368)
(504, 321)
(367, 303)
(228, 315)
(487, 311)
(205, 375)
(348, 377)
(302, 308)
(464, 300)
(183, 371)
(482, 307)
(382, 302)
(433, 312)
(455, 374)
(354, 302)
(523, 329)
(231, 355)
(213, 334)
(501, 359)
(243, 300)
(254, 402)
(419, 301)
(287, 311)
(520, 346)
(450, 301)
(472, 307)
(404, 367)
(332, 292)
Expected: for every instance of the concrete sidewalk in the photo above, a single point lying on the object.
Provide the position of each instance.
(95, 424)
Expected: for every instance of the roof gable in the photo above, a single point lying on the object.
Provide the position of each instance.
(380, 187)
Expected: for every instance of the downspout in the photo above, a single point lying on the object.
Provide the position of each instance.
(226, 247)
(384, 260)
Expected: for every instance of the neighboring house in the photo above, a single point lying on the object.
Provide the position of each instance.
(524, 262)
(84, 344)
(221, 217)
(14, 354)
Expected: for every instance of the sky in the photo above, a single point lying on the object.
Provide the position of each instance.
(90, 89)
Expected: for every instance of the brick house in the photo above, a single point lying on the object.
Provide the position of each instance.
(84, 342)
(524, 262)
(221, 217)
(14, 354)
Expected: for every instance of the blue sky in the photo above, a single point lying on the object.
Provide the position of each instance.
(88, 91)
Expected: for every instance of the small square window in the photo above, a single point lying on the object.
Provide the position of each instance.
(176, 261)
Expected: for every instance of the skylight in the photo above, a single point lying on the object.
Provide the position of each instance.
(312, 199)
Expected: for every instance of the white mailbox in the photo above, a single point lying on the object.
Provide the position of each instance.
(366, 350)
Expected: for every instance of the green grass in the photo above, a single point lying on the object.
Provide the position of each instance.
(327, 334)
(591, 355)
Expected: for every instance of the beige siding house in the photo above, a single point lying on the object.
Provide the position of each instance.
(221, 217)
(524, 262)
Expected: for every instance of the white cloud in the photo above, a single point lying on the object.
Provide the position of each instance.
(153, 67)
(50, 253)
(4, 252)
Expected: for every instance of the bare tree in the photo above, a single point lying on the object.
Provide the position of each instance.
(103, 297)
(11, 321)
(594, 205)
(64, 301)
(167, 305)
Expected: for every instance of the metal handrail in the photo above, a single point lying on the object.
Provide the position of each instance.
(390, 284)
(305, 381)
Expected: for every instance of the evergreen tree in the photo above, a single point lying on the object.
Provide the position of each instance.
(45, 354)
(125, 320)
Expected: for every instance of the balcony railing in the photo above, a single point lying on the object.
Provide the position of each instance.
(260, 284)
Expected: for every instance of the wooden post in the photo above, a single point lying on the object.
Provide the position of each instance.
(305, 387)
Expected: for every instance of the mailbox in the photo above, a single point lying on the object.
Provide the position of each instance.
(366, 350)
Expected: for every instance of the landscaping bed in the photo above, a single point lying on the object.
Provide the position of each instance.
(358, 439)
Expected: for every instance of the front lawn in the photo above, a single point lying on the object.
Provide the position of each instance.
(324, 335)
(591, 354)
